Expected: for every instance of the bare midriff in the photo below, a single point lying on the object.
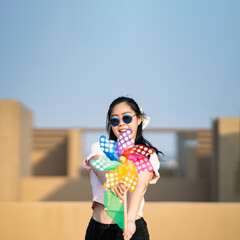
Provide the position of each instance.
(100, 214)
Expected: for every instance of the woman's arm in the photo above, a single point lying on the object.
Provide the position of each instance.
(134, 202)
(135, 197)
(100, 174)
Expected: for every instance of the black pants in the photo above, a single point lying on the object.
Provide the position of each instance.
(100, 231)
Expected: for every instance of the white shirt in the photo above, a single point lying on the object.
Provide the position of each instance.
(97, 187)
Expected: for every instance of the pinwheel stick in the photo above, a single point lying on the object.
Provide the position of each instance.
(125, 211)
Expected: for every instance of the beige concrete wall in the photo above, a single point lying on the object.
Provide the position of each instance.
(178, 189)
(25, 140)
(194, 153)
(55, 189)
(56, 152)
(79, 189)
(193, 221)
(74, 153)
(15, 144)
(49, 152)
(59, 153)
(228, 159)
(171, 221)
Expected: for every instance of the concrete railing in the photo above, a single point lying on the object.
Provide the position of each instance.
(170, 221)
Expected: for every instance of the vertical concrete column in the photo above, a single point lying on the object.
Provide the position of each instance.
(74, 152)
(15, 147)
(228, 158)
(192, 163)
(214, 163)
(187, 155)
(182, 169)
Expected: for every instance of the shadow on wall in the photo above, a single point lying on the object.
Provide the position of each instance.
(54, 162)
(229, 157)
(72, 190)
(179, 189)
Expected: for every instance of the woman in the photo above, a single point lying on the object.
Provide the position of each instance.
(123, 114)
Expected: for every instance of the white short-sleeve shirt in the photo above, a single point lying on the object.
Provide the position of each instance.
(97, 187)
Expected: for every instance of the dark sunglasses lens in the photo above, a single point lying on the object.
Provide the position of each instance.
(127, 118)
(114, 121)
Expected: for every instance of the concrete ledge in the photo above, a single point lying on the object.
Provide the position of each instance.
(79, 189)
(55, 189)
(193, 221)
(68, 220)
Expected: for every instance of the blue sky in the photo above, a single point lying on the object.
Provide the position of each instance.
(67, 60)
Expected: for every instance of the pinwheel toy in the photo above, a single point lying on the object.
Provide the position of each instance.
(123, 161)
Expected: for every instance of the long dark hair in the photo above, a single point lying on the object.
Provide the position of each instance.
(139, 137)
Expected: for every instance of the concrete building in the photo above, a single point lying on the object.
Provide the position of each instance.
(42, 165)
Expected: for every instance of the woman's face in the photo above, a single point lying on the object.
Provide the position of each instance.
(119, 111)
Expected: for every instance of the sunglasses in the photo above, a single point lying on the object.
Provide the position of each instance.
(127, 118)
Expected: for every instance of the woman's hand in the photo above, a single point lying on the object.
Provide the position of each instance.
(131, 228)
(119, 190)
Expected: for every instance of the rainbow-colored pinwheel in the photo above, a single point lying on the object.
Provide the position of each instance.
(123, 161)
(116, 164)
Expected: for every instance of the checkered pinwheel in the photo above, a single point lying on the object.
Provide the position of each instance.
(123, 160)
